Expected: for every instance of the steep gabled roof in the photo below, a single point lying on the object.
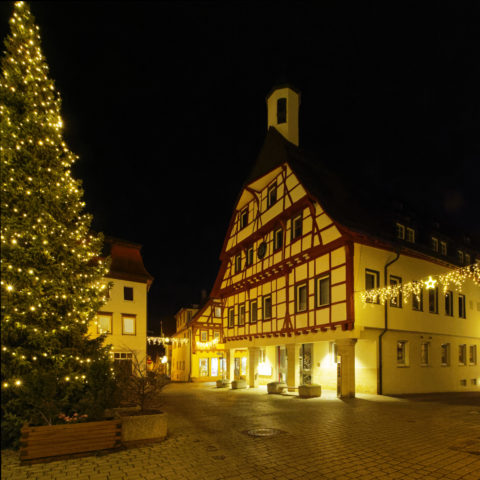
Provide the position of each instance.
(360, 206)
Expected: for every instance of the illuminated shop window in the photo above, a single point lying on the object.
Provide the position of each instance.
(203, 367)
(104, 323)
(214, 367)
(128, 293)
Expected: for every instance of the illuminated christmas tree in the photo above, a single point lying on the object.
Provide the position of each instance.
(51, 269)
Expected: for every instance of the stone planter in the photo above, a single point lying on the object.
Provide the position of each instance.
(146, 426)
(76, 438)
(223, 383)
(276, 387)
(309, 391)
(236, 384)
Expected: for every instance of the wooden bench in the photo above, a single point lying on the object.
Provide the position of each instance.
(309, 391)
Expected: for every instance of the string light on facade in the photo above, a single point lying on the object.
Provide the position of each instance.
(453, 280)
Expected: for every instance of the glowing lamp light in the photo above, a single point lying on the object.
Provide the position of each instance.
(430, 283)
(264, 368)
(164, 359)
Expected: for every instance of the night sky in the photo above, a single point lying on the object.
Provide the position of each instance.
(165, 105)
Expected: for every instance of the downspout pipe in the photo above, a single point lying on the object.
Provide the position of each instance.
(385, 328)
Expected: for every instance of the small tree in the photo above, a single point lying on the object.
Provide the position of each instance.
(51, 269)
(141, 387)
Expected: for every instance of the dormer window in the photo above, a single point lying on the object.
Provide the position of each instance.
(443, 248)
(400, 231)
(410, 235)
(281, 110)
(244, 218)
(434, 242)
(271, 195)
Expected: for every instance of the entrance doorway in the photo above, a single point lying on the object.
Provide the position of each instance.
(282, 364)
(306, 363)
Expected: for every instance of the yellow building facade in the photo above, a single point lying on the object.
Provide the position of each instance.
(124, 317)
(297, 259)
(197, 350)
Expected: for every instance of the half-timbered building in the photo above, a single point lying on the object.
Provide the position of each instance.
(300, 251)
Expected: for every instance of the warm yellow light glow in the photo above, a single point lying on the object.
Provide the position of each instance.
(164, 359)
(430, 283)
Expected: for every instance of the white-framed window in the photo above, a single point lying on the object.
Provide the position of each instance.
(462, 313)
(278, 239)
(241, 314)
(128, 324)
(449, 303)
(400, 231)
(104, 323)
(267, 307)
(322, 285)
(272, 195)
(397, 300)
(410, 235)
(301, 297)
(417, 299)
(297, 226)
(443, 248)
(462, 354)
(231, 317)
(433, 300)
(128, 293)
(402, 353)
(472, 354)
(244, 218)
(204, 336)
(425, 353)
(123, 362)
(434, 243)
(445, 354)
(238, 262)
(372, 280)
(253, 311)
(216, 335)
(217, 312)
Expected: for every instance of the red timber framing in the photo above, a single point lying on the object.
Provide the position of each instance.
(276, 274)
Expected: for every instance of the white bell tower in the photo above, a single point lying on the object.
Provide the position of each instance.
(283, 105)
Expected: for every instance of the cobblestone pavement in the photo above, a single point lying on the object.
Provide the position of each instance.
(370, 437)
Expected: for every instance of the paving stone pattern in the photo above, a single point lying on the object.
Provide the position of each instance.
(369, 437)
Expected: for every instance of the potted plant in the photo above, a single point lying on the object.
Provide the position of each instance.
(140, 416)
